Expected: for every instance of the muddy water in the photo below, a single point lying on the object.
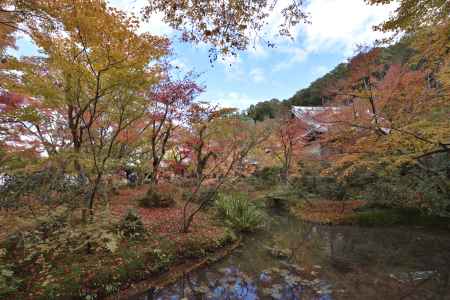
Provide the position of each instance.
(295, 260)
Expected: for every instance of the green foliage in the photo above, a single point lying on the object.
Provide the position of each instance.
(228, 237)
(49, 186)
(55, 237)
(200, 246)
(265, 110)
(9, 283)
(388, 194)
(266, 176)
(161, 258)
(405, 192)
(238, 212)
(131, 226)
(403, 186)
(205, 194)
(134, 266)
(282, 196)
(157, 198)
(193, 248)
(313, 95)
(327, 187)
(398, 53)
(396, 216)
(310, 96)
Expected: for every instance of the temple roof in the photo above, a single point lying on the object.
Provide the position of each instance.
(309, 115)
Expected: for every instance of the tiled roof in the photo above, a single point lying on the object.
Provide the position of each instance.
(309, 114)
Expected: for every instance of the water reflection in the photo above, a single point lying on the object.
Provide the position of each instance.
(294, 260)
(233, 284)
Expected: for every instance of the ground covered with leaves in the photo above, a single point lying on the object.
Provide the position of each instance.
(60, 257)
(358, 212)
(327, 212)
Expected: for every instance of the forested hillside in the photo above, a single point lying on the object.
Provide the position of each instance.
(315, 94)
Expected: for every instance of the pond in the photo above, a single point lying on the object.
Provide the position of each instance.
(291, 259)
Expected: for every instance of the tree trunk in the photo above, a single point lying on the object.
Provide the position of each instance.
(83, 181)
(155, 170)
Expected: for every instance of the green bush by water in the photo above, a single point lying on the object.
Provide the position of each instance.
(267, 176)
(399, 216)
(238, 212)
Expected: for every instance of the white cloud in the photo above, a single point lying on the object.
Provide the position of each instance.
(295, 55)
(232, 67)
(340, 25)
(337, 26)
(257, 75)
(155, 25)
(229, 60)
(237, 100)
(270, 31)
(320, 70)
(258, 50)
(230, 99)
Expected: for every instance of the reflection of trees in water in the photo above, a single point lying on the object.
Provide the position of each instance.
(363, 261)
(304, 244)
(202, 287)
(357, 260)
(232, 284)
(148, 295)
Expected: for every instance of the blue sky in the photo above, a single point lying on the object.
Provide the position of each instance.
(263, 73)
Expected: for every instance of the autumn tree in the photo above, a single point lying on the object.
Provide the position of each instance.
(228, 26)
(427, 25)
(17, 15)
(90, 82)
(218, 140)
(390, 118)
(286, 141)
(359, 88)
(170, 101)
(150, 139)
(412, 15)
(15, 149)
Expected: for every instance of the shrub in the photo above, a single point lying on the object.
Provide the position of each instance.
(193, 248)
(238, 212)
(160, 259)
(397, 216)
(131, 226)
(49, 186)
(8, 282)
(327, 187)
(228, 237)
(388, 194)
(205, 194)
(157, 197)
(266, 176)
(282, 196)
